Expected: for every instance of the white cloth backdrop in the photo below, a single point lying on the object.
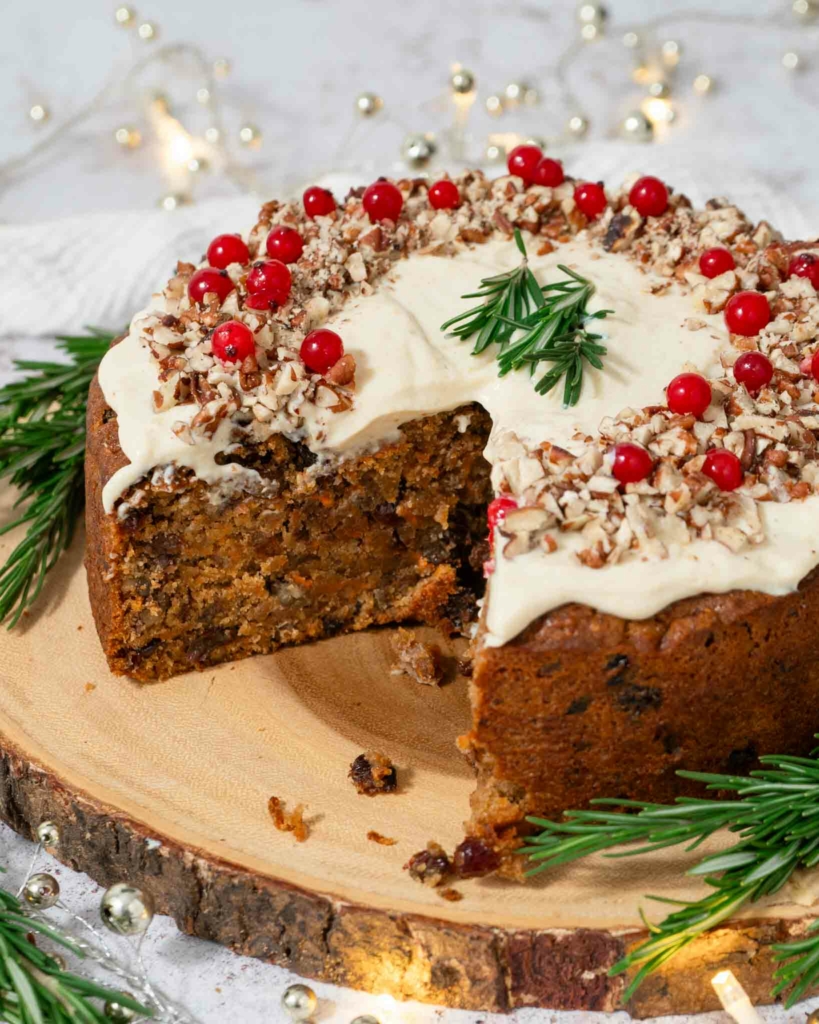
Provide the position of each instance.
(757, 144)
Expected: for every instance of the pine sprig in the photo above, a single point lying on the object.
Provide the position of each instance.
(42, 452)
(34, 988)
(553, 319)
(777, 820)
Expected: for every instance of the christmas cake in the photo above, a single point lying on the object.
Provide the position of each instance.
(287, 445)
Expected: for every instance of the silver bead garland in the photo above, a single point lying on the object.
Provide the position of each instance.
(299, 1002)
(41, 891)
(117, 1013)
(418, 149)
(48, 833)
(462, 81)
(636, 127)
(368, 104)
(126, 910)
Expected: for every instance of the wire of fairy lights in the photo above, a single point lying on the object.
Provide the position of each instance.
(183, 157)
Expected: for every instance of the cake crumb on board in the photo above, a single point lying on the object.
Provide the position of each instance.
(372, 773)
(417, 659)
(288, 821)
(451, 895)
(376, 837)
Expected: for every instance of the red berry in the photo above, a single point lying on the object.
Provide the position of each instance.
(753, 370)
(268, 284)
(285, 244)
(496, 513)
(523, 161)
(590, 198)
(747, 313)
(497, 509)
(805, 265)
(814, 365)
(318, 202)
(209, 280)
(232, 342)
(688, 393)
(382, 201)
(444, 195)
(714, 262)
(227, 249)
(549, 172)
(724, 468)
(649, 197)
(321, 349)
(631, 463)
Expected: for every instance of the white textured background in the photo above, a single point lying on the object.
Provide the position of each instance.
(297, 67)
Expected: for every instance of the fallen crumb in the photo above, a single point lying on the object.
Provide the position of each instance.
(418, 660)
(90, 687)
(79, 627)
(376, 837)
(452, 895)
(373, 773)
(431, 866)
(288, 821)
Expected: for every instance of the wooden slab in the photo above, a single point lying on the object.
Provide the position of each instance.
(167, 785)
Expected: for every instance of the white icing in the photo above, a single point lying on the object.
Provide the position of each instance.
(406, 367)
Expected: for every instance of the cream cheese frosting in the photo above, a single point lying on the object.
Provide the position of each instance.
(407, 367)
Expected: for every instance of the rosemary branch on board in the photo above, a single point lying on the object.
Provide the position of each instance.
(42, 453)
(777, 820)
(34, 988)
(553, 318)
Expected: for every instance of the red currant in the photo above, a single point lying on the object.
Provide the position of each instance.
(318, 202)
(716, 261)
(814, 365)
(747, 313)
(688, 393)
(523, 161)
(497, 509)
(232, 342)
(207, 279)
(321, 350)
(724, 468)
(631, 463)
(382, 201)
(444, 195)
(227, 249)
(285, 244)
(754, 370)
(649, 197)
(549, 172)
(590, 198)
(268, 284)
(805, 265)
(496, 513)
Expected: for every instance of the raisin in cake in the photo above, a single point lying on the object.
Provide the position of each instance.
(286, 446)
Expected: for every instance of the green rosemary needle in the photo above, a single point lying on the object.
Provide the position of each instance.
(42, 452)
(553, 320)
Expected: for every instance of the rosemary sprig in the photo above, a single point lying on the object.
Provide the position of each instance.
(506, 298)
(34, 989)
(777, 820)
(553, 319)
(42, 451)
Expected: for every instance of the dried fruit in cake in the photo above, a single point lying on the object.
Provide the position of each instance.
(431, 866)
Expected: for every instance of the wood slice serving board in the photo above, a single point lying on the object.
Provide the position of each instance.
(167, 786)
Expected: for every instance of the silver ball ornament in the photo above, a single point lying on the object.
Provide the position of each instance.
(48, 833)
(462, 81)
(41, 891)
(577, 125)
(418, 149)
(126, 910)
(591, 13)
(365, 1018)
(119, 1014)
(368, 104)
(805, 10)
(299, 1002)
(636, 127)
